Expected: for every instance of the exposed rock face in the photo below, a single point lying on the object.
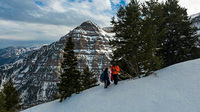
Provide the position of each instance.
(92, 46)
(196, 21)
(36, 75)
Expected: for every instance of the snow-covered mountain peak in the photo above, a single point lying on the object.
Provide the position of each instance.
(89, 23)
(92, 43)
(36, 76)
(195, 15)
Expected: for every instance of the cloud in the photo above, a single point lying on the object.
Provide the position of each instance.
(192, 6)
(31, 31)
(59, 12)
(115, 2)
(40, 3)
(127, 1)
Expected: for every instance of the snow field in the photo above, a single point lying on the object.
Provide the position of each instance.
(173, 89)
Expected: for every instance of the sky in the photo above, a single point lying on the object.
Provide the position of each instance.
(51, 19)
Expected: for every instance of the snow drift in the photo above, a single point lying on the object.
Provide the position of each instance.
(173, 89)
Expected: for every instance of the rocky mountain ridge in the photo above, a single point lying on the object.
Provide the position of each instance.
(13, 53)
(196, 21)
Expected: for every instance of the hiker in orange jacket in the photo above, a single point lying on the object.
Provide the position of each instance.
(114, 72)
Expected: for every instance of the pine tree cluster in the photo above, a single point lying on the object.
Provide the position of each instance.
(71, 80)
(89, 79)
(9, 98)
(152, 35)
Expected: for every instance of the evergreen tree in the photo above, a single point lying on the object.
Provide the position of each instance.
(56, 95)
(70, 79)
(2, 102)
(152, 15)
(179, 44)
(136, 38)
(126, 30)
(10, 97)
(89, 79)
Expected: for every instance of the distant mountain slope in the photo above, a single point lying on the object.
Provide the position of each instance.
(13, 53)
(196, 21)
(4, 43)
(36, 76)
(173, 89)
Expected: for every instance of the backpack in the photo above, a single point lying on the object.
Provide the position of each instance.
(102, 77)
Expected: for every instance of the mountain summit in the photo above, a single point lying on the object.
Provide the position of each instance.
(89, 23)
(36, 75)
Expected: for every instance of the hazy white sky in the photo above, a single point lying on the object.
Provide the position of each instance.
(51, 19)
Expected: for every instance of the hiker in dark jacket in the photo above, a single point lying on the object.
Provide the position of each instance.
(106, 78)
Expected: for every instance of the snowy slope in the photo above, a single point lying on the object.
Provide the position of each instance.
(173, 89)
